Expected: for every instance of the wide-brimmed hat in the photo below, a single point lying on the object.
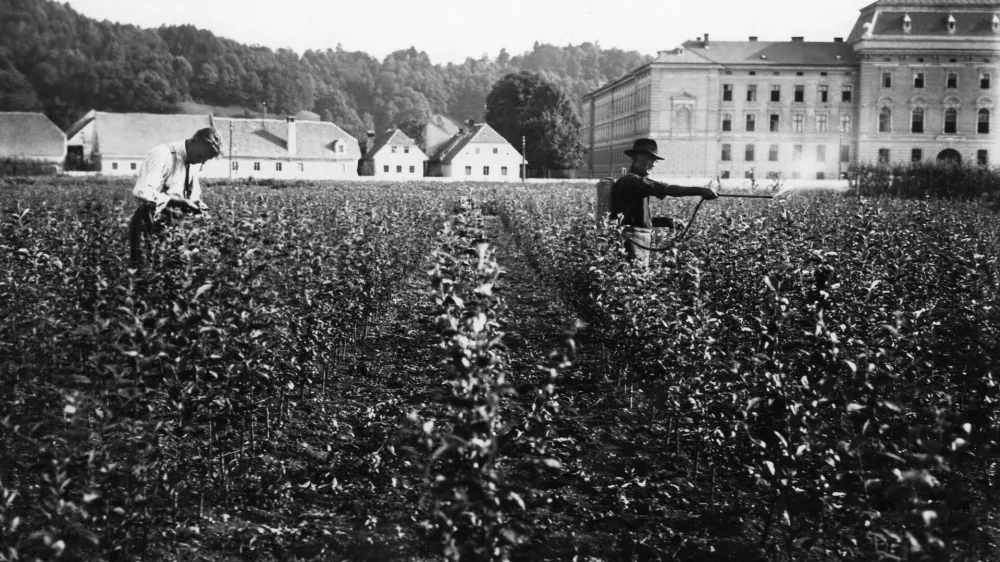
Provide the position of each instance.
(644, 145)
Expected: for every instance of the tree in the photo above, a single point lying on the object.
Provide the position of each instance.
(525, 104)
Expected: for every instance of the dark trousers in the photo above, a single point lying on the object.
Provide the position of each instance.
(140, 229)
(144, 224)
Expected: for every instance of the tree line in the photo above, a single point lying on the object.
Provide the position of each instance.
(56, 60)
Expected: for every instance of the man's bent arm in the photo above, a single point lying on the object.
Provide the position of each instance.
(152, 174)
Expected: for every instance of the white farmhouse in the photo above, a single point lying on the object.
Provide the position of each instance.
(476, 153)
(283, 149)
(393, 155)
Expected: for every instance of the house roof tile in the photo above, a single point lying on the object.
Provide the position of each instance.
(771, 53)
(128, 134)
(30, 135)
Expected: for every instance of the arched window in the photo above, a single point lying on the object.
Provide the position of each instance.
(917, 122)
(683, 120)
(984, 122)
(951, 120)
(885, 120)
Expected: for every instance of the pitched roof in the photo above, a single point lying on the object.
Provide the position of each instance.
(770, 53)
(126, 134)
(268, 138)
(933, 23)
(438, 131)
(30, 135)
(392, 136)
(942, 3)
(478, 134)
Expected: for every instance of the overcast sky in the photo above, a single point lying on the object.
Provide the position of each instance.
(451, 30)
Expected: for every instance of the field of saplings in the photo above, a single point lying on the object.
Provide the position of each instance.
(378, 371)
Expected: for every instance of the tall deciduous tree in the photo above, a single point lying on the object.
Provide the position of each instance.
(525, 104)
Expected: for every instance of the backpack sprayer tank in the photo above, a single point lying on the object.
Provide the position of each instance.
(602, 203)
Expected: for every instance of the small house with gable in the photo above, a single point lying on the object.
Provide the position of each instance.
(31, 136)
(477, 153)
(393, 155)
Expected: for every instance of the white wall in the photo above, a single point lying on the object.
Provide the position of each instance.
(310, 169)
(120, 166)
(385, 157)
(505, 156)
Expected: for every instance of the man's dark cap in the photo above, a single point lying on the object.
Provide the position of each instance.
(644, 145)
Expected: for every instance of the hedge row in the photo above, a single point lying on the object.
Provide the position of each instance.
(22, 167)
(925, 179)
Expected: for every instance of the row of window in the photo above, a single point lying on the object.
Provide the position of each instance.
(256, 166)
(621, 104)
(748, 174)
(917, 155)
(406, 149)
(623, 128)
(235, 166)
(486, 170)
(749, 153)
(798, 123)
(399, 169)
(950, 121)
(798, 95)
(950, 81)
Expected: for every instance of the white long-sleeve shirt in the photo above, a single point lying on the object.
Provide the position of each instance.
(161, 176)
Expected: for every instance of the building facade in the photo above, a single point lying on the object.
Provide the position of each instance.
(393, 155)
(913, 81)
(116, 144)
(476, 153)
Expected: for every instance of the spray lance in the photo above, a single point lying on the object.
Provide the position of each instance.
(603, 207)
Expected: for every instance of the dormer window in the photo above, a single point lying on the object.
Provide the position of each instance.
(951, 23)
(907, 23)
(996, 23)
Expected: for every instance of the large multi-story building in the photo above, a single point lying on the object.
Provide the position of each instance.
(915, 80)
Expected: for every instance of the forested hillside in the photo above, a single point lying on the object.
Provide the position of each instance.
(64, 63)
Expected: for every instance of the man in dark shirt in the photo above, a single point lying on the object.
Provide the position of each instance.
(630, 198)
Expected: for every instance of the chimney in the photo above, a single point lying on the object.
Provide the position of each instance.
(838, 39)
(798, 39)
(291, 137)
(753, 37)
(471, 122)
(706, 39)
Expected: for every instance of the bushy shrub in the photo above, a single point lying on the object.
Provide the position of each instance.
(923, 179)
(11, 167)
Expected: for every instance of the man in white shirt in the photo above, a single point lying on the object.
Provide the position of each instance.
(168, 178)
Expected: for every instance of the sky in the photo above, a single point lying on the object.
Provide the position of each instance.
(452, 30)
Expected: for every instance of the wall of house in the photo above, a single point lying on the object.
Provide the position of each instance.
(472, 165)
(118, 165)
(406, 162)
(84, 138)
(244, 168)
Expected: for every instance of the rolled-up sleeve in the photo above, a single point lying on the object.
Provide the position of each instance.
(152, 175)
